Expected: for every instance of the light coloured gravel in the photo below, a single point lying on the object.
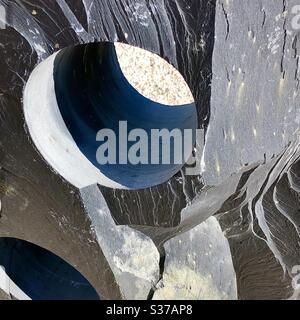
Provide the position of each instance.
(152, 76)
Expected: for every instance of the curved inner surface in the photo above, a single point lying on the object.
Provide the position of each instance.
(40, 274)
(93, 94)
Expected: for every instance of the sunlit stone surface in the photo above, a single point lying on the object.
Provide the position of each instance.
(255, 86)
(198, 266)
(240, 60)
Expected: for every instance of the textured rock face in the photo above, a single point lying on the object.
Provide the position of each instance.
(198, 266)
(255, 121)
(254, 104)
(240, 59)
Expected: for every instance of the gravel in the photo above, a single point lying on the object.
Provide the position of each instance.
(152, 76)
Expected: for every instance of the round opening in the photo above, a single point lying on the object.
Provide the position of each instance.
(28, 271)
(113, 123)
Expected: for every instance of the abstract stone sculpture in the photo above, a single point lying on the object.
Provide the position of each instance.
(229, 232)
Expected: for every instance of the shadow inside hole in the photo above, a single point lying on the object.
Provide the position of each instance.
(40, 274)
(93, 94)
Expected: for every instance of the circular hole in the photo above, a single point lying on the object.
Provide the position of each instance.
(92, 94)
(31, 272)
